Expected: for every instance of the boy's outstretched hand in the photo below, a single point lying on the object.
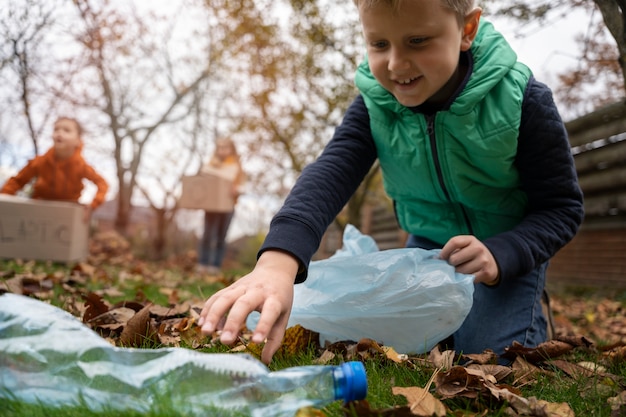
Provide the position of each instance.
(268, 289)
(470, 256)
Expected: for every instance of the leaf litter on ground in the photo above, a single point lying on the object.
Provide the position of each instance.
(139, 322)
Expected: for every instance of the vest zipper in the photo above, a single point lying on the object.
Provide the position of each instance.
(430, 123)
(430, 120)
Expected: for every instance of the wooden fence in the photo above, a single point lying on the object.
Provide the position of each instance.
(597, 255)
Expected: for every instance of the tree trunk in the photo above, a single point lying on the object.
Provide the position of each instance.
(123, 210)
(613, 16)
(161, 231)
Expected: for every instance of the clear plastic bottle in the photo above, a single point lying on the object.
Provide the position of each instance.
(48, 356)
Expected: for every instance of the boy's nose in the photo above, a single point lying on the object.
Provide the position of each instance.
(397, 61)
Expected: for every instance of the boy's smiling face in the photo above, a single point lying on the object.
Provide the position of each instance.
(413, 51)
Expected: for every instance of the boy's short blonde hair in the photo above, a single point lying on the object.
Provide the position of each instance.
(460, 7)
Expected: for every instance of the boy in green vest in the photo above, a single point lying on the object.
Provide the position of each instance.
(474, 155)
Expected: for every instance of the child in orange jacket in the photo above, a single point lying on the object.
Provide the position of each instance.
(59, 172)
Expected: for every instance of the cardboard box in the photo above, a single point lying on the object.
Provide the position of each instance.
(42, 230)
(207, 192)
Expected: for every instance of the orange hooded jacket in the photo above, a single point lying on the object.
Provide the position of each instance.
(58, 179)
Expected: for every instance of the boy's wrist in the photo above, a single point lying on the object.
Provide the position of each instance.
(278, 259)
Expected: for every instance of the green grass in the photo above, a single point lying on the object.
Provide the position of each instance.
(586, 396)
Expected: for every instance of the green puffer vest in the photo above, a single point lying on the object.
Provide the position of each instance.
(453, 173)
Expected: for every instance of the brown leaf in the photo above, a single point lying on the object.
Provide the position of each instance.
(443, 360)
(326, 357)
(94, 306)
(112, 319)
(362, 409)
(487, 357)
(36, 285)
(545, 351)
(617, 354)
(139, 330)
(371, 345)
(541, 408)
(618, 404)
(531, 407)
(507, 393)
(576, 341)
(572, 369)
(457, 382)
(421, 402)
(135, 305)
(12, 285)
(84, 268)
(171, 311)
(498, 372)
(525, 372)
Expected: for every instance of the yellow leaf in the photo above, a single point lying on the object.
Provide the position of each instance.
(298, 339)
(393, 355)
(309, 412)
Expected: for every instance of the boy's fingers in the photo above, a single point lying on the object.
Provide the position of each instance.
(237, 317)
(274, 339)
(270, 314)
(216, 308)
(273, 343)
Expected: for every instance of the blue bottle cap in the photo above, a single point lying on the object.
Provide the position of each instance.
(353, 385)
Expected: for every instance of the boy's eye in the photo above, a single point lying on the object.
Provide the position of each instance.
(417, 41)
(378, 44)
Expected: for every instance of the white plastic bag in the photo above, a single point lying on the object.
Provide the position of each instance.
(405, 298)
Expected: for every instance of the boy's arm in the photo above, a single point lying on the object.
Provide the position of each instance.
(323, 189)
(101, 184)
(549, 178)
(15, 183)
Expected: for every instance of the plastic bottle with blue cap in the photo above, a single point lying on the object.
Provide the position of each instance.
(49, 357)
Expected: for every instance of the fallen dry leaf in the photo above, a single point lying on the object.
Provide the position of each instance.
(541, 408)
(545, 351)
(525, 372)
(297, 339)
(395, 356)
(94, 306)
(112, 319)
(325, 358)
(139, 331)
(177, 310)
(618, 404)
(487, 357)
(309, 412)
(457, 382)
(442, 360)
(362, 409)
(421, 402)
(498, 372)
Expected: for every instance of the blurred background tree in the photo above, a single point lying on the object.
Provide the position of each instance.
(598, 76)
(156, 82)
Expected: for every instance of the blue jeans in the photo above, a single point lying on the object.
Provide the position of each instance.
(213, 243)
(510, 311)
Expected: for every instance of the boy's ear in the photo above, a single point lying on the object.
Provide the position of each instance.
(470, 28)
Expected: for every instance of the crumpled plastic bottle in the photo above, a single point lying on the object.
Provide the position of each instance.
(405, 298)
(48, 356)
